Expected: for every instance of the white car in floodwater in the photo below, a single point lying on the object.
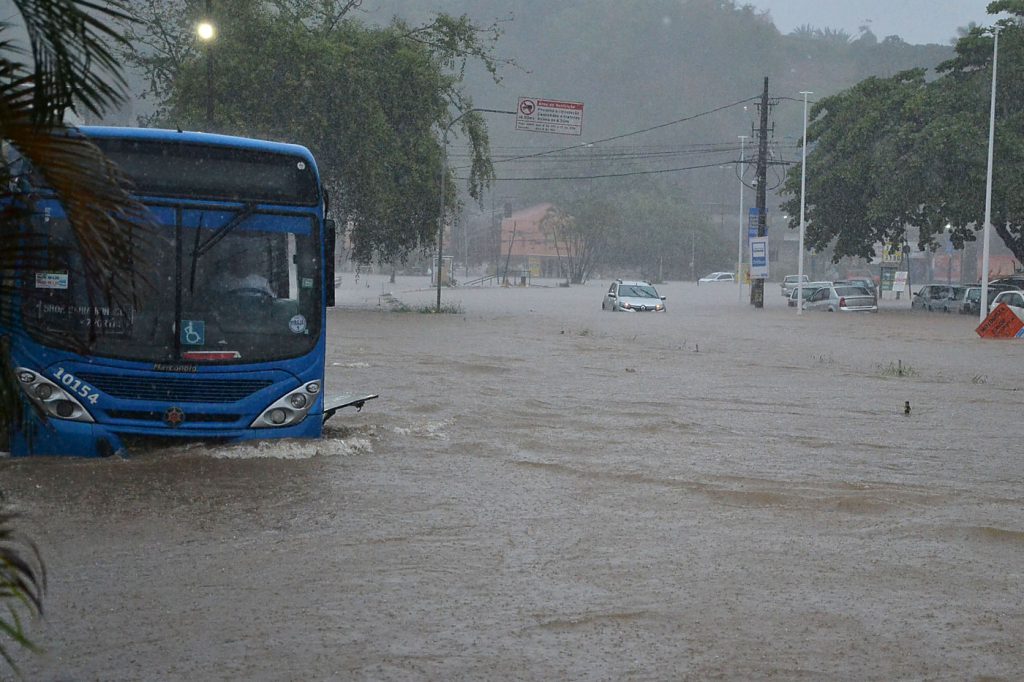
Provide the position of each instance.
(717, 277)
(789, 284)
(1013, 298)
(633, 297)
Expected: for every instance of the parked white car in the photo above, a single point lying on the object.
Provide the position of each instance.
(633, 297)
(717, 277)
(789, 283)
(1013, 298)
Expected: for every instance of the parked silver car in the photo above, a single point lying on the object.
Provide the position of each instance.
(808, 288)
(969, 301)
(634, 297)
(839, 298)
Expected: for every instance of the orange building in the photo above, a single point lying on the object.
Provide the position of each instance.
(525, 246)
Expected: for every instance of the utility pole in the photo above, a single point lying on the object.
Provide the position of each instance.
(757, 285)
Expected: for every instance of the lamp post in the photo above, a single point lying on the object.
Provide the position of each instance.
(739, 236)
(949, 253)
(983, 308)
(803, 200)
(444, 177)
(206, 31)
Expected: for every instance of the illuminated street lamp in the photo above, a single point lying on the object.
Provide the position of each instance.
(206, 31)
(949, 253)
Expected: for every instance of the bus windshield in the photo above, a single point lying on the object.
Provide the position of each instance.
(218, 285)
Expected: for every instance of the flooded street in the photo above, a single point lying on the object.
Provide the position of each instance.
(548, 491)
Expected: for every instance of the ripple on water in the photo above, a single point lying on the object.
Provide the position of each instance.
(304, 449)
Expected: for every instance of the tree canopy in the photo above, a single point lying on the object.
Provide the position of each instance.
(903, 151)
(370, 102)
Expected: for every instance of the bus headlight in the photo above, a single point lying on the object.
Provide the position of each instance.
(53, 400)
(289, 409)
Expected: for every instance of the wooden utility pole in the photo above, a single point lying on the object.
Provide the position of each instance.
(757, 285)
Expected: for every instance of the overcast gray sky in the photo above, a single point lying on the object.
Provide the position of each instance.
(916, 21)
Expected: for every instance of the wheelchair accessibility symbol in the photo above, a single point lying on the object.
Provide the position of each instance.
(193, 332)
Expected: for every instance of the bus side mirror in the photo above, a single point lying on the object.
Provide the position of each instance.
(330, 237)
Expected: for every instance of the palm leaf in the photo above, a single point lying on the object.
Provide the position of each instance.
(109, 225)
(22, 583)
(72, 63)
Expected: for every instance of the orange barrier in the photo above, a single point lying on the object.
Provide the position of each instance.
(1001, 323)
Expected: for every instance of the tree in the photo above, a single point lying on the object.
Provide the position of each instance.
(366, 100)
(907, 151)
(857, 191)
(662, 235)
(71, 68)
(581, 235)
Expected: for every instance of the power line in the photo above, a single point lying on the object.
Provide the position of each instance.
(616, 175)
(628, 153)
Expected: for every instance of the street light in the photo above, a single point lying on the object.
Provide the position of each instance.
(206, 31)
(949, 253)
(803, 201)
(983, 308)
(739, 237)
(444, 177)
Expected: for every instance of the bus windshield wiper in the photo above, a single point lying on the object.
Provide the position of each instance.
(247, 210)
(214, 239)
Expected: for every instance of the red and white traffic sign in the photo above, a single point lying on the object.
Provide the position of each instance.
(549, 116)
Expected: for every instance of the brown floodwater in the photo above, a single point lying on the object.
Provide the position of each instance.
(547, 491)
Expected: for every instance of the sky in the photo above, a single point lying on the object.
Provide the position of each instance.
(916, 21)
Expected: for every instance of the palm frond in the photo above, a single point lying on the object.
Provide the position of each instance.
(109, 225)
(72, 63)
(22, 583)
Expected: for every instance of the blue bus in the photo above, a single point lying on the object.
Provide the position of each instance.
(225, 340)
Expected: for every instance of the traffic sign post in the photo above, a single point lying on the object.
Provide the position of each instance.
(534, 114)
(759, 258)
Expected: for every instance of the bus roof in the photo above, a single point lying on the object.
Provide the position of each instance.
(189, 137)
